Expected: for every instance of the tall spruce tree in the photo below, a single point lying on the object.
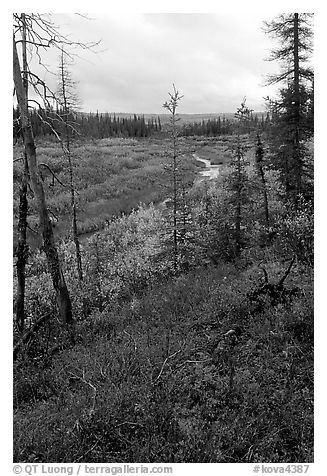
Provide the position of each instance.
(238, 179)
(291, 111)
(178, 209)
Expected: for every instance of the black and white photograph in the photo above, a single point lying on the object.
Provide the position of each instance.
(163, 241)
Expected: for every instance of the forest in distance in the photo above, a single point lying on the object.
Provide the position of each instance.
(162, 314)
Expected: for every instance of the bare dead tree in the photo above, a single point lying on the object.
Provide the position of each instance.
(62, 295)
(37, 33)
(68, 102)
(42, 34)
(33, 30)
(22, 247)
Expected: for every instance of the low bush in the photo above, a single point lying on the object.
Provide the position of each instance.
(155, 380)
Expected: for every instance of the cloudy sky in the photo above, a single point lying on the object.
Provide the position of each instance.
(213, 59)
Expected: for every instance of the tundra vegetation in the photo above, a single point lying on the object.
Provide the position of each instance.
(190, 337)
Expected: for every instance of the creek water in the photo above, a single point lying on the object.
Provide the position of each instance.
(211, 171)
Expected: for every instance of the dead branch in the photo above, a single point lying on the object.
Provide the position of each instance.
(53, 174)
(265, 275)
(276, 292)
(193, 362)
(166, 360)
(30, 189)
(43, 34)
(36, 102)
(132, 338)
(287, 272)
(87, 452)
(39, 82)
(29, 334)
(129, 423)
(53, 130)
(94, 390)
(32, 229)
(53, 214)
(50, 126)
(34, 43)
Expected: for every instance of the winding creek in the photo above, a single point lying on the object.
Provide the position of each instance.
(209, 172)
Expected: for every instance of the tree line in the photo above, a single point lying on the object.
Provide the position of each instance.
(223, 126)
(97, 125)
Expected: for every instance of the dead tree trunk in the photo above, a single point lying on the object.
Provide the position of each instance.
(62, 295)
(22, 248)
(259, 162)
(22, 252)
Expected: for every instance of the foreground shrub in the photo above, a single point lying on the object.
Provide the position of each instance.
(155, 380)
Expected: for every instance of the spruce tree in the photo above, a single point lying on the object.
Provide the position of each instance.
(238, 179)
(290, 110)
(179, 216)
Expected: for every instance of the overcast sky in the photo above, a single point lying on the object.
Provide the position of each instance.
(213, 59)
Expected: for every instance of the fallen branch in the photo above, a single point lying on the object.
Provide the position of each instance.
(82, 379)
(129, 423)
(194, 362)
(88, 451)
(132, 338)
(19, 158)
(165, 361)
(29, 334)
(276, 292)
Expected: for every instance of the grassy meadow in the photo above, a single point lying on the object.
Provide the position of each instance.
(112, 177)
